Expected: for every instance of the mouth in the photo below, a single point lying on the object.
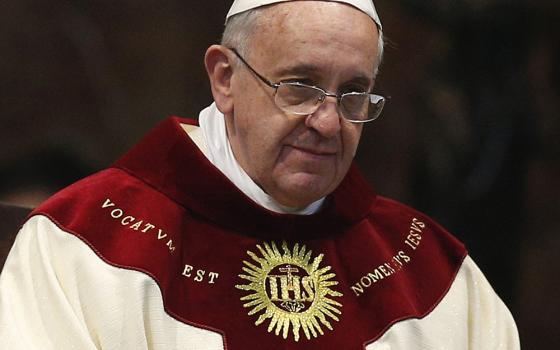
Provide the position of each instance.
(315, 153)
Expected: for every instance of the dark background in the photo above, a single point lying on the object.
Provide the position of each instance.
(471, 134)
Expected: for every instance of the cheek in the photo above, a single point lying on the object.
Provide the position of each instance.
(263, 137)
(351, 135)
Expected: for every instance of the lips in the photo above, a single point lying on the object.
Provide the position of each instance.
(315, 151)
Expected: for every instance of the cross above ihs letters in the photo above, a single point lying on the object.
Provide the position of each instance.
(289, 269)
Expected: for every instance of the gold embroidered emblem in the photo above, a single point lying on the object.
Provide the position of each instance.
(291, 290)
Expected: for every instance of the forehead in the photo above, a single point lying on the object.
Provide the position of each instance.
(316, 34)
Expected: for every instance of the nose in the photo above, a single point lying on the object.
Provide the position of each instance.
(326, 119)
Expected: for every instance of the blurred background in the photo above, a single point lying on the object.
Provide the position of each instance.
(471, 134)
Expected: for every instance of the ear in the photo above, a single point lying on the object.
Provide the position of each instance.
(219, 66)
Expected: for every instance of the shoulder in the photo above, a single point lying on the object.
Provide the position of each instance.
(422, 256)
(117, 215)
(413, 228)
(417, 251)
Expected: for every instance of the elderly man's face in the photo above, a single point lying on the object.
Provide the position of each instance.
(299, 159)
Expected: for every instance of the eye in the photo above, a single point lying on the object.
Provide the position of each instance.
(353, 88)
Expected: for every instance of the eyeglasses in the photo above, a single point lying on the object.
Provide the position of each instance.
(302, 99)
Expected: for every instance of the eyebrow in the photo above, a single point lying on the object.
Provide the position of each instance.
(313, 70)
(362, 80)
(299, 69)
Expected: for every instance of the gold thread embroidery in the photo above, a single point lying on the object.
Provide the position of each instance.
(290, 290)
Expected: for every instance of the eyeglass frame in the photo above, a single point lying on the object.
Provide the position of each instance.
(323, 97)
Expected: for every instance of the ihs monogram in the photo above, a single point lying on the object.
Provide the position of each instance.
(291, 290)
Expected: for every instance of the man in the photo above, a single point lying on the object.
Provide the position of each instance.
(254, 230)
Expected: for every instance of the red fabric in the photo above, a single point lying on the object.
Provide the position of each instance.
(166, 181)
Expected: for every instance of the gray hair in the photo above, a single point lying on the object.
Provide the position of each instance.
(239, 29)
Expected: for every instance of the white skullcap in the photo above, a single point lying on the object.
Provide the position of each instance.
(365, 6)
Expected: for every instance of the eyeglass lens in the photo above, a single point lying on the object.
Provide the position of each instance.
(302, 100)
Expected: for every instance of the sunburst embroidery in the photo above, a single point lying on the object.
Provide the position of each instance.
(290, 290)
